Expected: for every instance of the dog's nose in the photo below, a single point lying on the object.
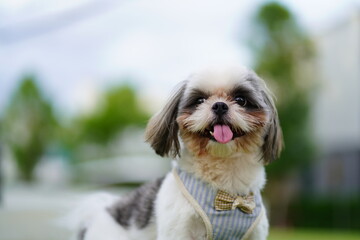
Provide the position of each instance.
(220, 108)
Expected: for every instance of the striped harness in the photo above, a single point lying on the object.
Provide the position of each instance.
(220, 225)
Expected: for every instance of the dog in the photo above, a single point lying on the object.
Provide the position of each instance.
(221, 127)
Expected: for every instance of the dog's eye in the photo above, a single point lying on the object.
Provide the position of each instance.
(242, 101)
(200, 100)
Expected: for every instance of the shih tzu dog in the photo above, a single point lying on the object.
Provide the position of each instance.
(222, 127)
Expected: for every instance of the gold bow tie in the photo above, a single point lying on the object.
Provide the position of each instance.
(225, 201)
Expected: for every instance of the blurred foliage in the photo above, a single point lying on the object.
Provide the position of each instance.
(90, 136)
(325, 213)
(118, 110)
(280, 49)
(28, 126)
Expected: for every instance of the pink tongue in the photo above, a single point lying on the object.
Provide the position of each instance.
(222, 133)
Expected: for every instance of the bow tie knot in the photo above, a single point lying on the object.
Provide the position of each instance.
(224, 201)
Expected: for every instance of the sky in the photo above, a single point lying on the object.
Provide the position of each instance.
(78, 48)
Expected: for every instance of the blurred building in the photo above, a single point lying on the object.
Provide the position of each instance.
(134, 162)
(336, 115)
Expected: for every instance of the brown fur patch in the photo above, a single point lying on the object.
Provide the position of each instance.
(193, 141)
(212, 168)
(195, 144)
(220, 93)
(249, 142)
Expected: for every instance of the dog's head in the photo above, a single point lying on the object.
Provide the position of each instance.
(218, 113)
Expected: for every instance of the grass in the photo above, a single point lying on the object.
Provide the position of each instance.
(279, 234)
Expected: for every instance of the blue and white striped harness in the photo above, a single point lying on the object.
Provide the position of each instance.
(220, 225)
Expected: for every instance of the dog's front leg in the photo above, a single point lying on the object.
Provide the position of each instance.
(176, 219)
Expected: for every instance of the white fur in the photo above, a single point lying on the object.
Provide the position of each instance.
(177, 217)
(262, 229)
(91, 214)
(212, 79)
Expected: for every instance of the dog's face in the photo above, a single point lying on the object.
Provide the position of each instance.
(218, 113)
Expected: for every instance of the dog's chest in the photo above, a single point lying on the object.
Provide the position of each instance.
(228, 224)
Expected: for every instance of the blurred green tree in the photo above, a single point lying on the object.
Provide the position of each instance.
(282, 56)
(118, 109)
(28, 126)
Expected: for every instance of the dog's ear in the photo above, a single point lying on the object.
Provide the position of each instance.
(273, 138)
(162, 129)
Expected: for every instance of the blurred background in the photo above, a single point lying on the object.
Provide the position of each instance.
(79, 80)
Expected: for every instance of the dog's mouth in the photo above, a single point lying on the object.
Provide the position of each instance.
(222, 133)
